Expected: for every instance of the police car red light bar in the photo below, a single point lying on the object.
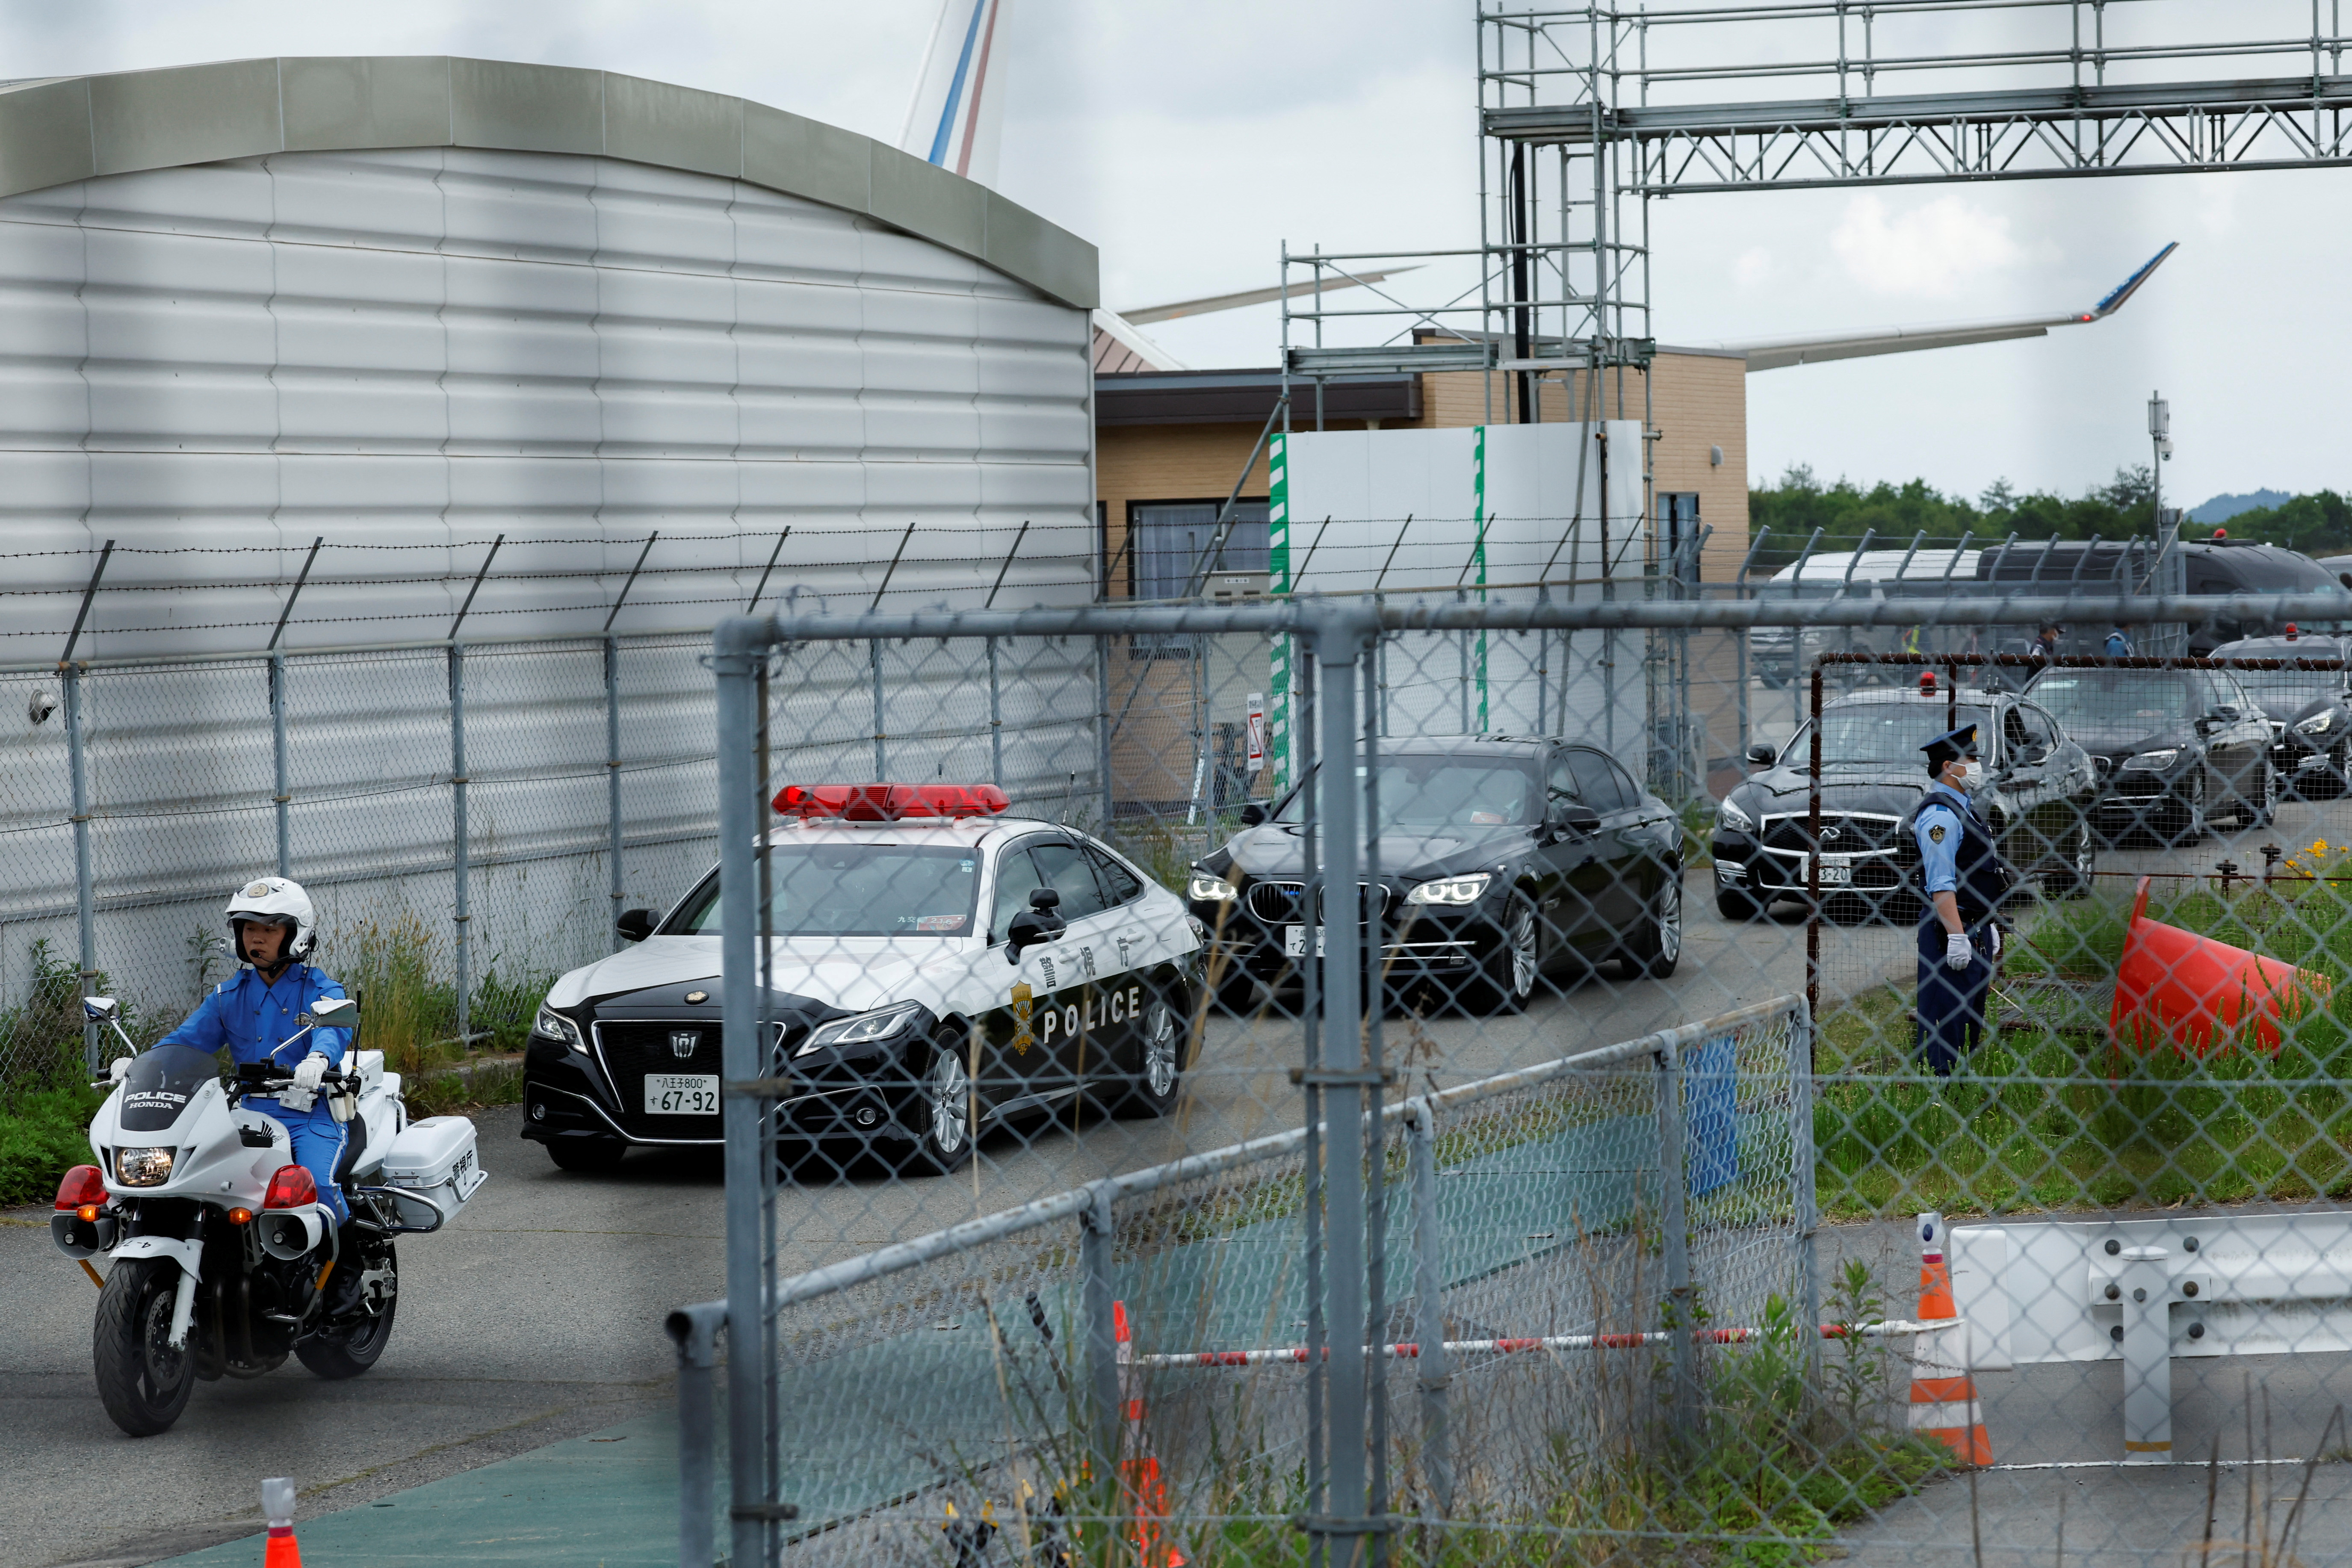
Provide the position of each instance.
(889, 803)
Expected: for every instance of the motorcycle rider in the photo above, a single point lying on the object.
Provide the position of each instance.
(258, 1010)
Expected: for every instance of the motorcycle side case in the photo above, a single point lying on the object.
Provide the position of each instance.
(434, 1160)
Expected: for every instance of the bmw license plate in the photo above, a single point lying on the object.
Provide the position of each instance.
(1294, 941)
(681, 1094)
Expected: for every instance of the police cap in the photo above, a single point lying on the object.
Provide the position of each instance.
(1960, 742)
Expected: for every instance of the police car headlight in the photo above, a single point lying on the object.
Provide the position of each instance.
(2150, 762)
(1730, 818)
(1203, 889)
(2319, 725)
(863, 1028)
(554, 1025)
(1450, 889)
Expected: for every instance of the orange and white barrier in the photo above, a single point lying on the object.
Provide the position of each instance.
(1944, 1403)
(1297, 1354)
(1139, 1467)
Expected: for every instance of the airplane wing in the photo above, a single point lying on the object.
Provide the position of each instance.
(1777, 354)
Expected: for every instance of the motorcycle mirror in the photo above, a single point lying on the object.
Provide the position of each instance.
(100, 1009)
(336, 1011)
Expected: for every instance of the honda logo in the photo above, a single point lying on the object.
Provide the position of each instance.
(683, 1041)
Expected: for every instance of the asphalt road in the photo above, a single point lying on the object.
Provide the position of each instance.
(536, 1316)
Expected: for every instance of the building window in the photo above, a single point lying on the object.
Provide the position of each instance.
(1679, 535)
(1171, 538)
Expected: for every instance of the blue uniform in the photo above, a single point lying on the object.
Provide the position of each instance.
(2118, 645)
(1957, 855)
(254, 1018)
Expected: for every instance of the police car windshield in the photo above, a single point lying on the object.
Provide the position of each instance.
(2290, 688)
(859, 890)
(1446, 792)
(1883, 734)
(2114, 699)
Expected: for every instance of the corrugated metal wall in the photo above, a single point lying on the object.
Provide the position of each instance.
(410, 352)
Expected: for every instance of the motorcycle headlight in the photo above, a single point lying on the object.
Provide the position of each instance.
(862, 1028)
(143, 1167)
(1203, 889)
(1450, 889)
(2318, 725)
(554, 1025)
(1730, 818)
(2151, 761)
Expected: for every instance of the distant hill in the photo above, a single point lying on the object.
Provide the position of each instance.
(2221, 509)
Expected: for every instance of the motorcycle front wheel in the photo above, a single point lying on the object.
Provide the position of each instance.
(349, 1348)
(144, 1383)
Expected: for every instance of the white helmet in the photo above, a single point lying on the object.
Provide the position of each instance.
(276, 900)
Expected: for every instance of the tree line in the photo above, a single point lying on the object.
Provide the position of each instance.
(2317, 524)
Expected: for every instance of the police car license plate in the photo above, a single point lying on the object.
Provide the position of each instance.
(1836, 873)
(681, 1094)
(1294, 941)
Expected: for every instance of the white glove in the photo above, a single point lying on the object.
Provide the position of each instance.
(1958, 953)
(118, 1070)
(303, 1092)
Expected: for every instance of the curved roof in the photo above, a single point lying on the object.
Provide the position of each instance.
(57, 130)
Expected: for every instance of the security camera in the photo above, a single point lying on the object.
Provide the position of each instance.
(43, 703)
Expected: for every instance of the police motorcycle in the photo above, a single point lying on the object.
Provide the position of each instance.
(222, 1260)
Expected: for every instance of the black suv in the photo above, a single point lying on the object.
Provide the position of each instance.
(1502, 859)
(2309, 709)
(2038, 795)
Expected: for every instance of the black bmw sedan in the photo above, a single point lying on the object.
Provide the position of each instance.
(1502, 859)
(2037, 792)
(2178, 749)
(2303, 685)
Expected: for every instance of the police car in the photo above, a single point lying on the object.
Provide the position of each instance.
(937, 968)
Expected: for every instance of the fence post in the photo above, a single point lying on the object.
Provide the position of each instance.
(1429, 1305)
(460, 916)
(1096, 1232)
(1682, 1303)
(613, 772)
(995, 721)
(738, 652)
(695, 1330)
(77, 755)
(881, 764)
(1807, 1199)
(284, 798)
(1102, 725)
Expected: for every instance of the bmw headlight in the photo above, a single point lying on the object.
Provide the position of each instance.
(862, 1028)
(2318, 725)
(1203, 889)
(143, 1167)
(1450, 889)
(1730, 818)
(2151, 761)
(554, 1025)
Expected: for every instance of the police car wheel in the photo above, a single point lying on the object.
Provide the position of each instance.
(944, 1101)
(1160, 1057)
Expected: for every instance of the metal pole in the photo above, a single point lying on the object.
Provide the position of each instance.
(874, 659)
(1807, 1202)
(78, 753)
(461, 916)
(283, 799)
(695, 1331)
(1096, 1232)
(613, 768)
(1813, 856)
(1102, 722)
(1311, 1018)
(1682, 1313)
(1374, 1145)
(995, 721)
(737, 664)
(1338, 646)
(1429, 1306)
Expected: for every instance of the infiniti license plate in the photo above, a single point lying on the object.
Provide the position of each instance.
(1294, 941)
(681, 1094)
(1836, 873)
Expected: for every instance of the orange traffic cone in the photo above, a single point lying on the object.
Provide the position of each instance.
(1942, 1394)
(1155, 1544)
(277, 1506)
(2174, 984)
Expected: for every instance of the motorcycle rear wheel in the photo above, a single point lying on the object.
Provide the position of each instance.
(141, 1381)
(348, 1349)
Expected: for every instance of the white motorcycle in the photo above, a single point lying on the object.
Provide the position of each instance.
(223, 1261)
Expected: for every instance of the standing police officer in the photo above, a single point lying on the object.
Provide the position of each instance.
(1964, 879)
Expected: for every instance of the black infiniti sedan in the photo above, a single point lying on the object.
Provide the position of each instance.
(2178, 749)
(2037, 793)
(1502, 859)
(2306, 698)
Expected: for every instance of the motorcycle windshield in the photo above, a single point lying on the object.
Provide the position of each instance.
(160, 1086)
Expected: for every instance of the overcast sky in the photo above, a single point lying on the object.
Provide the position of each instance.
(1189, 139)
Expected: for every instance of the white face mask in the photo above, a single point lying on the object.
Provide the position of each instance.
(1971, 778)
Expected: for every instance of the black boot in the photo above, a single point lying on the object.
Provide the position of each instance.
(344, 1284)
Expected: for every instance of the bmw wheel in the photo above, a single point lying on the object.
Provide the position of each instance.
(1161, 1057)
(2259, 814)
(1656, 944)
(1511, 969)
(944, 1102)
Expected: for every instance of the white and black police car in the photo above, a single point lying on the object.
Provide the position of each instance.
(937, 968)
